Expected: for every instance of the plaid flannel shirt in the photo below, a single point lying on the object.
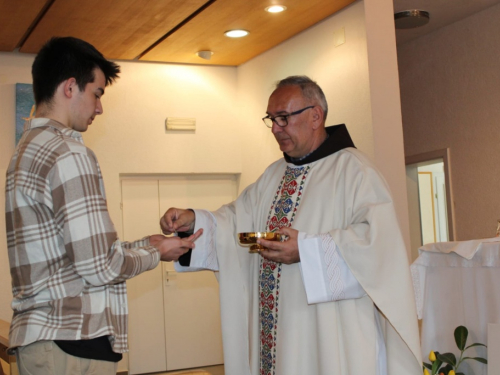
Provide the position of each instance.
(67, 265)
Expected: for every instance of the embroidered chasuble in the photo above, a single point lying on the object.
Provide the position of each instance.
(301, 318)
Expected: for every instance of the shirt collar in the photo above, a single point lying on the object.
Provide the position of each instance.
(39, 122)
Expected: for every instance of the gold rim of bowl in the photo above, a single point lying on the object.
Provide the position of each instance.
(249, 238)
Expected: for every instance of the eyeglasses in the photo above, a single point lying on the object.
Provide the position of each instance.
(282, 120)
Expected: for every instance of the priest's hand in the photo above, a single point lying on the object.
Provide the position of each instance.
(177, 220)
(286, 252)
(171, 248)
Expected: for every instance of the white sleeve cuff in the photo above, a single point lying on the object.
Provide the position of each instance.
(325, 274)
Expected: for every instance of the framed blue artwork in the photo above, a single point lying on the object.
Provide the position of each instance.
(25, 106)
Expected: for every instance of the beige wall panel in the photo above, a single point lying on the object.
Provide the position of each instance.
(450, 93)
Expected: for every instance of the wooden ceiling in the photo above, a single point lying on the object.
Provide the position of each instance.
(160, 30)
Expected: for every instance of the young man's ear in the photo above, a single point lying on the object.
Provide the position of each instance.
(69, 87)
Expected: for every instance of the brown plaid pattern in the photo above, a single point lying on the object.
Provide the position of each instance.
(68, 267)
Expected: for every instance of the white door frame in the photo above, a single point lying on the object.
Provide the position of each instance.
(443, 154)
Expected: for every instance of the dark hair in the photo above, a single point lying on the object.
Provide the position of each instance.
(64, 58)
(309, 88)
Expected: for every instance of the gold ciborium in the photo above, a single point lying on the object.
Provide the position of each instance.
(250, 239)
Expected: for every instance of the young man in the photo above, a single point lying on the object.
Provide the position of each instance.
(67, 264)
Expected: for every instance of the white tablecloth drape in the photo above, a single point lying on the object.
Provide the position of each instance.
(458, 283)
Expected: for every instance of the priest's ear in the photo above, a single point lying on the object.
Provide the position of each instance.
(318, 116)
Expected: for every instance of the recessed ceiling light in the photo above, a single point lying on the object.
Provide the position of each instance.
(275, 8)
(236, 33)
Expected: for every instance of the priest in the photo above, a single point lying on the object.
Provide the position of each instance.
(335, 297)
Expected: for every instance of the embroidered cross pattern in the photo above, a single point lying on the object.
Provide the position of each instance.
(281, 214)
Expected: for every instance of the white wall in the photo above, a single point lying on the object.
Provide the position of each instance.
(386, 104)
(229, 103)
(130, 137)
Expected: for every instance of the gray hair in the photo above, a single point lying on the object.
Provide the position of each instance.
(310, 90)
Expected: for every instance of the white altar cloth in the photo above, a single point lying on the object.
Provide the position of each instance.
(457, 283)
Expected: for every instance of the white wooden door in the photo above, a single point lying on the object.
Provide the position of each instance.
(141, 217)
(193, 332)
(174, 319)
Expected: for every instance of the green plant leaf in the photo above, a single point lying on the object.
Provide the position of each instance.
(447, 358)
(428, 365)
(479, 359)
(475, 344)
(436, 365)
(461, 334)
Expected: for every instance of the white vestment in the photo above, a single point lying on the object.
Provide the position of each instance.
(316, 327)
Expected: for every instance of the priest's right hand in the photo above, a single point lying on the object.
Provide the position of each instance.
(177, 220)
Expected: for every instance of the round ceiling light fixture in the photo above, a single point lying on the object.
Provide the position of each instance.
(410, 19)
(276, 8)
(236, 33)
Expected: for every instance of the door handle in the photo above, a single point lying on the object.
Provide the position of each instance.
(170, 278)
